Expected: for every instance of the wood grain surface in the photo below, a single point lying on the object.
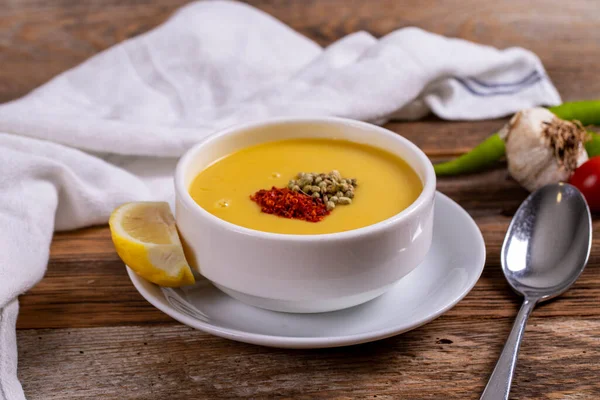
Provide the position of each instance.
(85, 333)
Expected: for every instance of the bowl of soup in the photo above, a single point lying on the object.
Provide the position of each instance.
(305, 214)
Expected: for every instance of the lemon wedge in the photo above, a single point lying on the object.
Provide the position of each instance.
(146, 239)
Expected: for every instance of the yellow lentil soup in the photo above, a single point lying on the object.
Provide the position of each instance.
(386, 185)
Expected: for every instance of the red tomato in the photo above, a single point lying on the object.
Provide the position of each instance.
(587, 179)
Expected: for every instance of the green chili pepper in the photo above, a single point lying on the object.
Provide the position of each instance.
(586, 112)
(492, 149)
(483, 156)
(592, 146)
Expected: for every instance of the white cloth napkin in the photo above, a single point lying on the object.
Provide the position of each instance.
(109, 130)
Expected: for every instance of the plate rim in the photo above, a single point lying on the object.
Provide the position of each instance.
(294, 342)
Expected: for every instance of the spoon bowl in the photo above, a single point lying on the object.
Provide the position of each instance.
(548, 242)
(546, 248)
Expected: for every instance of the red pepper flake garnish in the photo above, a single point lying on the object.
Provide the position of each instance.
(289, 204)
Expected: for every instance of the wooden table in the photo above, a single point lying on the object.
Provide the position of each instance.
(85, 333)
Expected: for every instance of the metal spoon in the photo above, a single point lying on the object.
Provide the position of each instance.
(545, 250)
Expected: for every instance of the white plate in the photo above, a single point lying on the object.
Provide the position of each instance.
(451, 269)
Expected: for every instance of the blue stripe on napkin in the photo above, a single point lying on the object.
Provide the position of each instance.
(486, 89)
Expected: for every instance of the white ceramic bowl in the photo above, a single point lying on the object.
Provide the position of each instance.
(304, 273)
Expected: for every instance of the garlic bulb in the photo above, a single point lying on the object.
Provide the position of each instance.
(542, 148)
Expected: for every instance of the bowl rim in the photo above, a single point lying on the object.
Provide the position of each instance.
(426, 195)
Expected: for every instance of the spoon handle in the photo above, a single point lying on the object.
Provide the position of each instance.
(498, 387)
